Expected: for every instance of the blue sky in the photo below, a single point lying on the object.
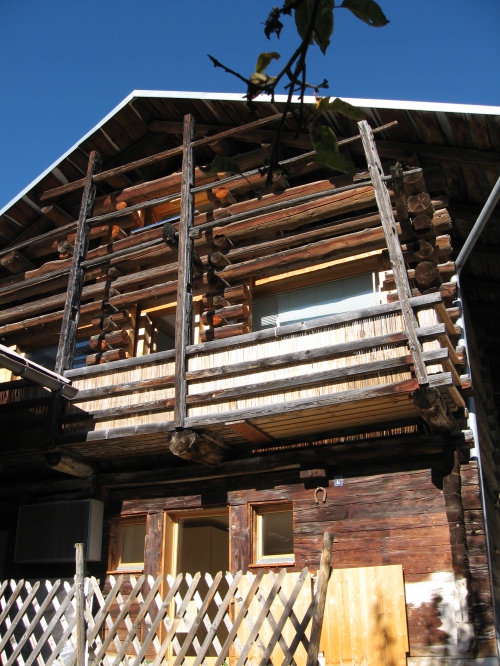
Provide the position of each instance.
(65, 64)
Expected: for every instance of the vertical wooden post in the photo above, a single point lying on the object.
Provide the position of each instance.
(81, 636)
(394, 248)
(184, 311)
(320, 601)
(69, 326)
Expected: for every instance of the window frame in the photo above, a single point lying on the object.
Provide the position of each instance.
(257, 511)
(114, 565)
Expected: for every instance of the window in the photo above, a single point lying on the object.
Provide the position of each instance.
(46, 356)
(131, 538)
(273, 535)
(319, 300)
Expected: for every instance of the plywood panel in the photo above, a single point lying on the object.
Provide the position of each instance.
(365, 618)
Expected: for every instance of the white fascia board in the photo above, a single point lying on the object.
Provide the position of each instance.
(365, 103)
(239, 97)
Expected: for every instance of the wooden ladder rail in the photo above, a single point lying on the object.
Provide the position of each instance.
(71, 315)
(69, 326)
(395, 252)
(184, 309)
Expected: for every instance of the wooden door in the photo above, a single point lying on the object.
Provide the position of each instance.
(365, 618)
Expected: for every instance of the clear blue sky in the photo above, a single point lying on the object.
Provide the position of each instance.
(64, 64)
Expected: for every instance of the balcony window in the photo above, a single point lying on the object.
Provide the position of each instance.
(319, 300)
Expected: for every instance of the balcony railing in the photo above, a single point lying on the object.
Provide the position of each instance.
(323, 375)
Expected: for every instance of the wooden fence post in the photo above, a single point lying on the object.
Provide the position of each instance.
(320, 601)
(80, 604)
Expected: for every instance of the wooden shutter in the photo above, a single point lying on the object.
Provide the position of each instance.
(365, 618)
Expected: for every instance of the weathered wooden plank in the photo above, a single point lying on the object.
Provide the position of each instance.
(71, 316)
(157, 157)
(394, 248)
(266, 334)
(342, 397)
(332, 351)
(184, 310)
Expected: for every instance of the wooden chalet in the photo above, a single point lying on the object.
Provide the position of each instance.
(231, 371)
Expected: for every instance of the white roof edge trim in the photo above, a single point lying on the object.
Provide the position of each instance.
(357, 101)
(179, 94)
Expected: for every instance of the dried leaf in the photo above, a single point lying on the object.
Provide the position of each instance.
(264, 60)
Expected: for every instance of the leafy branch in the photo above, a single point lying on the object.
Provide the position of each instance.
(314, 21)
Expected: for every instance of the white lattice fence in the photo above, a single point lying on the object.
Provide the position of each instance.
(37, 623)
(193, 620)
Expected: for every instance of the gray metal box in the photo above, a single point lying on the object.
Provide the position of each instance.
(48, 532)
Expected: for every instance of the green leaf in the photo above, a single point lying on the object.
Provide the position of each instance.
(264, 60)
(323, 27)
(327, 150)
(221, 164)
(338, 105)
(368, 11)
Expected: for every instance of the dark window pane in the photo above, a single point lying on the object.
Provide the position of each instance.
(277, 533)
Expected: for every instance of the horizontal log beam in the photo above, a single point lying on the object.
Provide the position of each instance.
(266, 334)
(189, 445)
(430, 405)
(67, 464)
(282, 360)
(263, 388)
(284, 460)
(382, 391)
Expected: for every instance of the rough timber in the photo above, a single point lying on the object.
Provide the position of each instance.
(235, 418)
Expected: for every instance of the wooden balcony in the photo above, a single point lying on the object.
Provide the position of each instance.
(350, 372)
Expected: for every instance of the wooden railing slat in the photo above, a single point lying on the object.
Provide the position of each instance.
(10, 602)
(261, 617)
(176, 621)
(240, 617)
(48, 631)
(126, 605)
(136, 624)
(277, 635)
(19, 615)
(29, 630)
(218, 618)
(154, 627)
(206, 602)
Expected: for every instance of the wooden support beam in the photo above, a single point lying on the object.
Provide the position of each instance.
(395, 252)
(250, 431)
(68, 464)
(430, 405)
(314, 473)
(57, 215)
(400, 196)
(189, 445)
(184, 311)
(71, 316)
(158, 157)
(15, 263)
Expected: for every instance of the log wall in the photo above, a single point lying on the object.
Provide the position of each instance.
(378, 518)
